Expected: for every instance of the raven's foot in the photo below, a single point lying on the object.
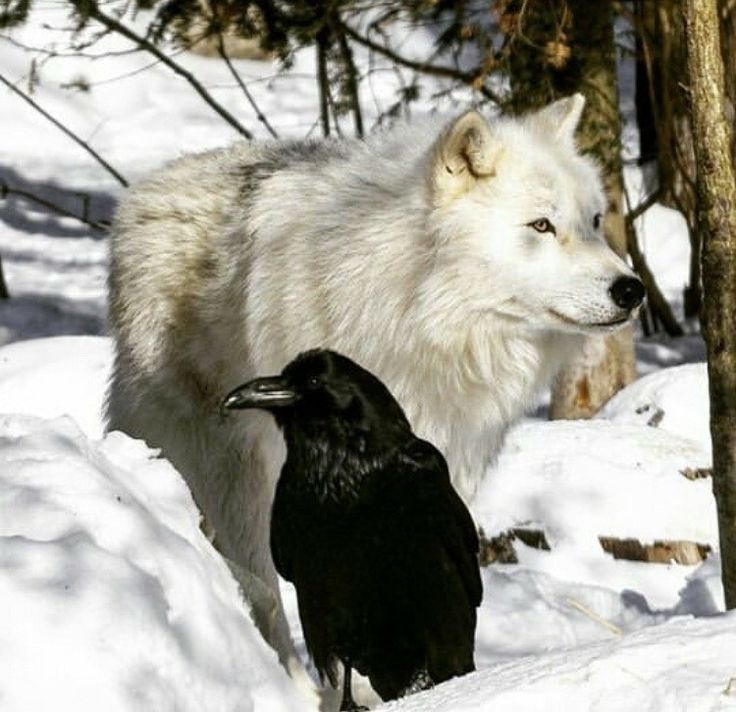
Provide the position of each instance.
(352, 707)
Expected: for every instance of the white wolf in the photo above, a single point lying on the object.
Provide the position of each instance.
(460, 264)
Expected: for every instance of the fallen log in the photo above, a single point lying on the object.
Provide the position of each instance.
(660, 551)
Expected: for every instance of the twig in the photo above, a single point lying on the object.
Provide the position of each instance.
(657, 303)
(129, 73)
(594, 616)
(6, 190)
(729, 686)
(424, 67)
(67, 131)
(314, 125)
(53, 53)
(640, 209)
(259, 114)
(112, 24)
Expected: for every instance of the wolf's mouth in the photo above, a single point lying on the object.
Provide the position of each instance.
(585, 324)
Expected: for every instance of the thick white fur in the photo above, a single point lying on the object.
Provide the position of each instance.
(410, 252)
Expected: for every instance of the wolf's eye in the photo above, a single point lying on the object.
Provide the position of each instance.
(543, 225)
(597, 221)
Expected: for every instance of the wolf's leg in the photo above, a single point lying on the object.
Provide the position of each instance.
(242, 535)
(268, 614)
(267, 611)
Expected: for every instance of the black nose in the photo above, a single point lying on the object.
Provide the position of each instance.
(627, 292)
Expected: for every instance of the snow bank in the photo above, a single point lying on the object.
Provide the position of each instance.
(112, 598)
(674, 400)
(703, 591)
(103, 567)
(684, 665)
(581, 479)
(614, 476)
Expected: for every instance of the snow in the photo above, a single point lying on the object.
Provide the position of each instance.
(110, 596)
(684, 665)
(575, 479)
(62, 375)
(674, 400)
(117, 526)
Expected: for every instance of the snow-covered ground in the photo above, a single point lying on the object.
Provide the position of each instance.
(112, 599)
(110, 596)
(103, 565)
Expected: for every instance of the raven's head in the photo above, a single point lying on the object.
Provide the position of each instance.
(324, 393)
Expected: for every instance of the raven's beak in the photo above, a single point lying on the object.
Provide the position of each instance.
(272, 392)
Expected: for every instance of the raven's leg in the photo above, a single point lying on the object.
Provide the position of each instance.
(348, 703)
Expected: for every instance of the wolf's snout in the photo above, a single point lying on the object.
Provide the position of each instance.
(627, 292)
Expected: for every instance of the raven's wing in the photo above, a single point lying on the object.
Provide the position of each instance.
(285, 535)
(435, 499)
(427, 549)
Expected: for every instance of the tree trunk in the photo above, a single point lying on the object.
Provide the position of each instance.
(323, 81)
(644, 90)
(561, 47)
(716, 189)
(661, 39)
(352, 81)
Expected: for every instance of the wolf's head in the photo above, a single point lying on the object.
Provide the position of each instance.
(517, 223)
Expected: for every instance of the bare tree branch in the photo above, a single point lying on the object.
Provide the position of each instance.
(469, 78)
(67, 131)
(635, 213)
(52, 53)
(6, 190)
(657, 303)
(259, 114)
(116, 26)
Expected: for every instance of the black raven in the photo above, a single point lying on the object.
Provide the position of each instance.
(365, 523)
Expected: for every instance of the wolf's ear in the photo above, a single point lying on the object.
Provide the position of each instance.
(561, 117)
(465, 152)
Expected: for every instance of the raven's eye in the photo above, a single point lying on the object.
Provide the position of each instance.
(543, 225)
(597, 221)
(313, 382)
